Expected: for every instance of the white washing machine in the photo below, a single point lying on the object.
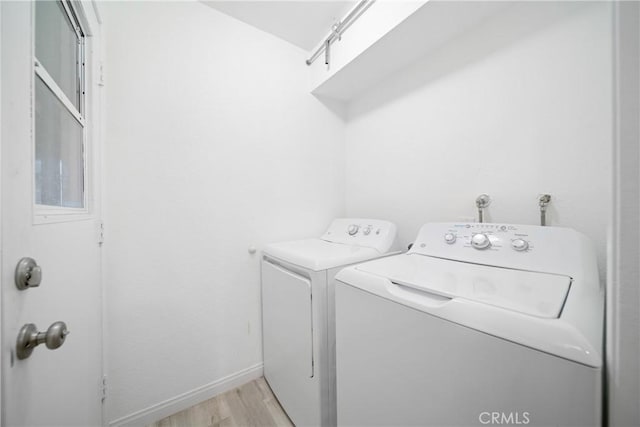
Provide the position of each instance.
(298, 313)
(478, 324)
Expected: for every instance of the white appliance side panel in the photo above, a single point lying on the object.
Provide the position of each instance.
(288, 343)
(331, 346)
(399, 366)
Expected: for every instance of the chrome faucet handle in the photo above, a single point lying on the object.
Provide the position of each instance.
(482, 201)
(544, 200)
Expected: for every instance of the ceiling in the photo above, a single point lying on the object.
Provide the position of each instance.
(303, 23)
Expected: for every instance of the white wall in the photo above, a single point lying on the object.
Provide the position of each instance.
(623, 298)
(508, 113)
(213, 143)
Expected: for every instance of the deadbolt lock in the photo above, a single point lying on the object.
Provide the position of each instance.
(28, 274)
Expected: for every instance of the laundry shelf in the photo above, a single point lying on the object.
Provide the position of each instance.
(430, 28)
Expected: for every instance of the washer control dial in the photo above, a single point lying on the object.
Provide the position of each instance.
(353, 229)
(480, 241)
(520, 245)
(366, 230)
(450, 238)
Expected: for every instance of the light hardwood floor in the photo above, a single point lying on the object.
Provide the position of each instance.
(250, 405)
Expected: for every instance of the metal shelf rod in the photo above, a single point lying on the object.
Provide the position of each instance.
(338, 29)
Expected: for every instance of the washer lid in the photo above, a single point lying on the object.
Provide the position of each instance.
(535, 294)
(317, 254)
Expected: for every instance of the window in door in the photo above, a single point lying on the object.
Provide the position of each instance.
(60, 124)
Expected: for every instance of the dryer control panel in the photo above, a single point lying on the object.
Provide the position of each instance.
(372, 233)
(527, 247)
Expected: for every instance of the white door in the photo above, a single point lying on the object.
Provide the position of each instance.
(50, 213)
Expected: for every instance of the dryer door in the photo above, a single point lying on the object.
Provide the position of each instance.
(288, 341)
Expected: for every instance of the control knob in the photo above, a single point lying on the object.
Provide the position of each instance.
(480, 241)
(353, 229)
(520, 245)
(450, 238)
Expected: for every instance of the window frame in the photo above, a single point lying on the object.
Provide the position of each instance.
(49, 213)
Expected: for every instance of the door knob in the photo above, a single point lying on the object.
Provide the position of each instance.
(29, 338)
(28, 274)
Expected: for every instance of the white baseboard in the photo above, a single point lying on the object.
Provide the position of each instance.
(185, 400)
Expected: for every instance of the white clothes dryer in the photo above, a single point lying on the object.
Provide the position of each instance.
(298, 313)
(478, 324)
